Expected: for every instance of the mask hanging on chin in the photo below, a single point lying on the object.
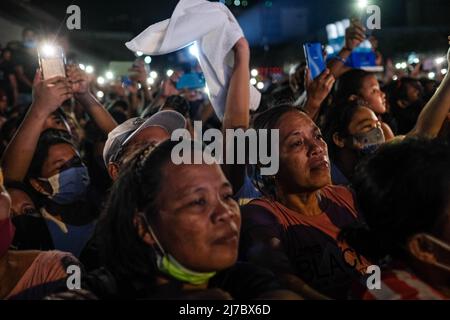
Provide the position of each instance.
(168, 265)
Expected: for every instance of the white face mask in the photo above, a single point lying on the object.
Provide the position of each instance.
(443, 245)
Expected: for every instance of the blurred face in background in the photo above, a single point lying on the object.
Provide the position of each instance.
(3, 102)
(370, 91)
(21, 203)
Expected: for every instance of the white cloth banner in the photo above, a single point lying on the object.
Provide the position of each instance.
(215, 30)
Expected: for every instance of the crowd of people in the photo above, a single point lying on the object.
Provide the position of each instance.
(363, 180)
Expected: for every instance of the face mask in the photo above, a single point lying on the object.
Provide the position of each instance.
(368, 142)
(70, 184)
(30, 44)
(167, 264)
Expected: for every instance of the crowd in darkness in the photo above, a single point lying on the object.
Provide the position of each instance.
(364, 179)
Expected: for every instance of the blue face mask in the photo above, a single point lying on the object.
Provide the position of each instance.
(69, 185)
(30, 44)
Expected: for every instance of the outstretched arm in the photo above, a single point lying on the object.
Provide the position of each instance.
(237, 114)
(48, 95)
(316, 92)
(80, 87)
(434, 114)
(354, 35)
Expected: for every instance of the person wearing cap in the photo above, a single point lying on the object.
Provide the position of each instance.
(136, 133)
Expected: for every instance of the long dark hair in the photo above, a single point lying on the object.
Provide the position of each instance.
(269, 120)
(337, 120)
(402, 190)
(350, 83)
(122, 251)
(48, 138)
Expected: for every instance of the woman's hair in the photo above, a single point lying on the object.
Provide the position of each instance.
(399, 90)
(123, 252)
(401, 190)
(350, 83)
(48, 138)
(25, 188)
(269, 120)
(337, 120)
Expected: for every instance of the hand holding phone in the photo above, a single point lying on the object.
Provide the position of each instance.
(354, 34)
(51, 61)
(191, 81)
(314, 58)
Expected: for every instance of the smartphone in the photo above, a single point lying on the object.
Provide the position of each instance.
(314, 58)
(126, 81)
(51, 61)
(191, 81)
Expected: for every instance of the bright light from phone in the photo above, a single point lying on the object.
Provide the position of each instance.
(154, 74)
(193, 49)
(254, 72)
(148, 59)
(100, 94)
(361, 4)
(150, 81)
(439, 60)
(109, 75)
(431, 75)
(82, 66)
(260, 85)
(206, 90)
(101, 80)
(48, 50)
(444, 71)
(139, 53)
(253, 81)
(169, 72)
(89, 69)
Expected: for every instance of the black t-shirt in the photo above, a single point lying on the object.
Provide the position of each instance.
(27, 58)
(242, 281)
(6, 69)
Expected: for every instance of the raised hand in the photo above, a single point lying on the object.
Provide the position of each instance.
(49, 94)
(354, 35)
(78, 80)
(319, 88)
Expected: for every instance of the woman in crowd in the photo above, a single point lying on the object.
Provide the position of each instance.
(293, 229)
(51, 164)
(406, 100)
(403, 191)
(353, 130)
(27, 274)
(166, 237)
(359, 84)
